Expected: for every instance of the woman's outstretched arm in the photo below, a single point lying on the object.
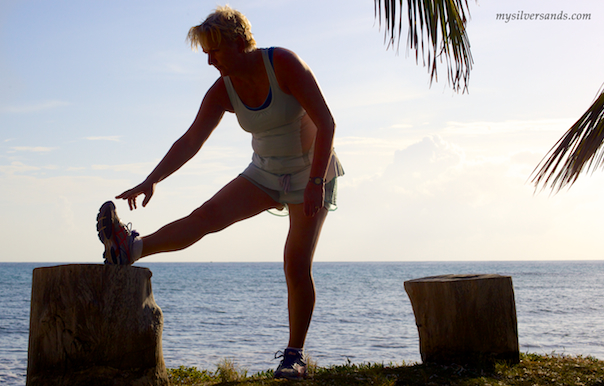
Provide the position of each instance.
(213, 106)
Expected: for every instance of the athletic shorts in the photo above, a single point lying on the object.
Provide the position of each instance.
(297, 196)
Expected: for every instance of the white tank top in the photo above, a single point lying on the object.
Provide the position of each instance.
(277, 129)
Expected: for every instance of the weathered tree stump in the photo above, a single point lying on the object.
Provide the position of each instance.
(94, 325)
(465, 319)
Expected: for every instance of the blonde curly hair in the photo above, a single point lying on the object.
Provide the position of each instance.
(224, 22)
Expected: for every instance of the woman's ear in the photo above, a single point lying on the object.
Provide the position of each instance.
(241, 46)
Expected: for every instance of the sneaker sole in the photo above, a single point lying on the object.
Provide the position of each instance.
(105, 221)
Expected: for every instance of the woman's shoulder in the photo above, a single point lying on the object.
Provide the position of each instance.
(217, 94)
(283, 54)
(288, 67)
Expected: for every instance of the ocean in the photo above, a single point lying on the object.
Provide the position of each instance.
(237, 311)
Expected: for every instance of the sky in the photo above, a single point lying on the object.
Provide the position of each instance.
(93, 94)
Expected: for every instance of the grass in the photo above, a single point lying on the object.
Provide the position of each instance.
(532, 370)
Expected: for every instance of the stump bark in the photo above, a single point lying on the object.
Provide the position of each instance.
(94, 325)
(465, 319)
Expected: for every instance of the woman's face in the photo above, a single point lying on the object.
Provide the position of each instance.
(224, 57)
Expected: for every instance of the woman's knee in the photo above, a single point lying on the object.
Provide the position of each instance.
(297, 273)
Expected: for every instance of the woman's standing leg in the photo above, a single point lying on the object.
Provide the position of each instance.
(299, 251)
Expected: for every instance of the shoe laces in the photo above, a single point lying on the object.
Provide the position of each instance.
(129, 230)
(287, 359)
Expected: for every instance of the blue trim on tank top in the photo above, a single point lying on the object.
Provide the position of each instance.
(269, 98)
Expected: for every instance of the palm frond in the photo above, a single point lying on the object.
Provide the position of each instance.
(437, 29)
(579, 147)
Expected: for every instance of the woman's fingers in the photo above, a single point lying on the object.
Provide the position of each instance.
(132, 194)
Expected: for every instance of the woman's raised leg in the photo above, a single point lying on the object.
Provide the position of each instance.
(238, 200)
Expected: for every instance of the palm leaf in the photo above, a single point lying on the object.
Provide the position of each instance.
(437, 29)
(580, 146)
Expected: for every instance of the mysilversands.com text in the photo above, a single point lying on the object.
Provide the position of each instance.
(521, 15)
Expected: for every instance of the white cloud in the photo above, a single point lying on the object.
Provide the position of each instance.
(58, 212)
(114, 138)
(401, 126)
(143, 168)
(17, 167)
(32, 149)
(506, 127)
(34, 107)
(433, 203)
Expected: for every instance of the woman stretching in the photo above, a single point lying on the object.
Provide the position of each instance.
(277, 99)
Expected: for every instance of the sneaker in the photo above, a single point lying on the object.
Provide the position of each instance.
(116, 236)
(292, 365)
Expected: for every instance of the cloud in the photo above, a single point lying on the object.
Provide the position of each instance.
(435, 201)
(34, 108)
(32, 149)
(114, 138)
(20, 168)
(488, 128)
(431, 156)
(17, 167)
(54, 209)
(401, 126)
(142, 168)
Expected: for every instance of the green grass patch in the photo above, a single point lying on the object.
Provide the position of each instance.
(532, 370)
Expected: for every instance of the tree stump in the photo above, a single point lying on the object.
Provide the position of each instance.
(465, 319)
(94, 325)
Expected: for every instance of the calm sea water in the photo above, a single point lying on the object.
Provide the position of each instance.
(214, 311)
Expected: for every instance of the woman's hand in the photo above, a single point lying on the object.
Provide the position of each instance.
(146, 188)
(314, 197)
